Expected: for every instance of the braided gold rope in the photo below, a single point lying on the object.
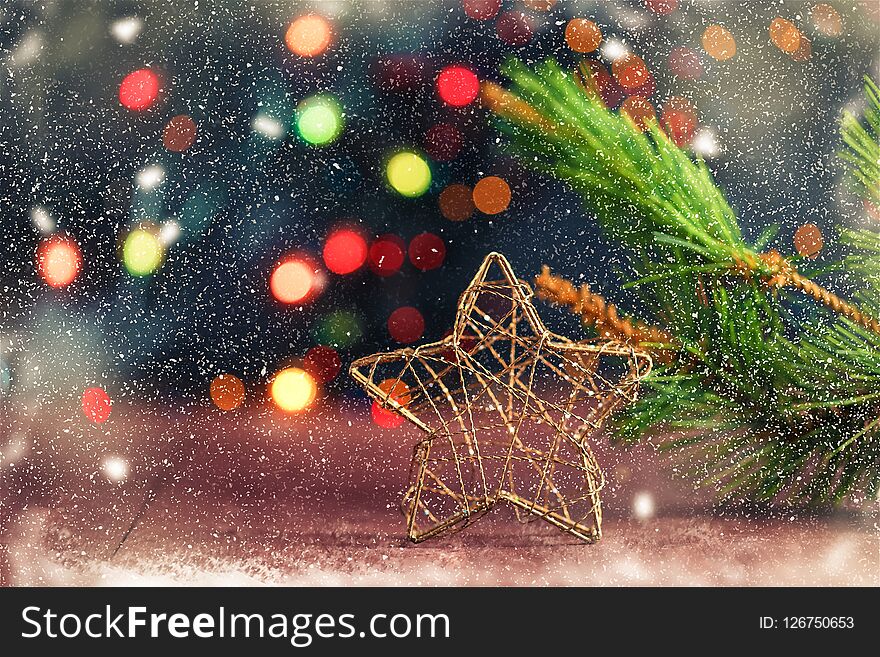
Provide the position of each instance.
(595, 311)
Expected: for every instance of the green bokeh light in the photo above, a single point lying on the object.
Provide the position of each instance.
(409, 174)
(142, 252)
(339, 329)
(319, 120)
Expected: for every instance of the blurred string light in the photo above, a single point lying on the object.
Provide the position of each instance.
(613, 49)
(142, 252)
(340, 329)
(718, 43)
(319, 120)
(309, 35)
(457, 86)
(491, 195)
(643, 507)
(293, 390)
(227, 392)
(481, 10)
(705, 143)
(42, 220)
(169, 233)
(96, 405)
(345, 251)
(150, 177)
(115, 469)
(583, 35)
(426, 251)
(294, 281)
(408, 173)
(139, 89)
(126, 30)
(456, 202)
(406, 324)
(826, 20)
(265, 125)
(323, 363)
(28, 49)
(179, 133)
(386, 255)
(58, 260)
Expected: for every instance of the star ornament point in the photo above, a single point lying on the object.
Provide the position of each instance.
(508, 410)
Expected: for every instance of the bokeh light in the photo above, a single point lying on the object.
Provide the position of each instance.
(630, 71)
(319, 120)
(96, 405)
(345, 251)
(457, 86)
(340, 329)
(386, 255)
(406, 324)
(685, 63)
(826, 20)
(638, 110)
(808, 240)
(456, 202)
(679, 119)
(719, 43)
(662, 7)
(443, 142)
(385, 418)
(139, 89)
(408, 173)
(293, 390)
(293, 281)
(785, 35)
(142, 252)
(115, 469)
(309, 35)
(481, 10)
(227, 392)
(179, 133)
(323, 363)
(583, 35)
(58, 260)
(427, 251)
(491, 195)
(514, 28)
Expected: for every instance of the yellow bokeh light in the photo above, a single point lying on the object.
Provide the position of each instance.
(408, 174)
(293, 390)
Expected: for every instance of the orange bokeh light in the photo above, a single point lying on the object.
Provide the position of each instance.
(58, 261)
(227, 392)
(309, 35)
(491, 195)
(785, 35)
(293, 281)
(719, 43)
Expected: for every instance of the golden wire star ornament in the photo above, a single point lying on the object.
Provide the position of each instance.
(508, 409)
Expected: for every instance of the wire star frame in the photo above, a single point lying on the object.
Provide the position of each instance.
(509, 409)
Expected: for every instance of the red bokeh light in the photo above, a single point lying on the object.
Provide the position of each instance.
(293, 281)
(345, 251)
(457, 86)
(661, 6)
(685, 63)
(630, 72)
(96, 405)
(386, 255)
(443, 142)
(406, 324)
(323, 363)
(385, 418)
(139, 89)
(679, 119)
(481, 10)
(58, 260)
(427, 251)
(514, 28)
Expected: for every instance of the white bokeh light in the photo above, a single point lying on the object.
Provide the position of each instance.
(150, 177)
(643, 506)
(115, 468)
(267, 126)
(126, 30)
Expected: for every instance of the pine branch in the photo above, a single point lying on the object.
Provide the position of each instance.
(756, 414)
(862, 155)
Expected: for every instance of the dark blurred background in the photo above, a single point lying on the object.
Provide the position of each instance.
(249, 190)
